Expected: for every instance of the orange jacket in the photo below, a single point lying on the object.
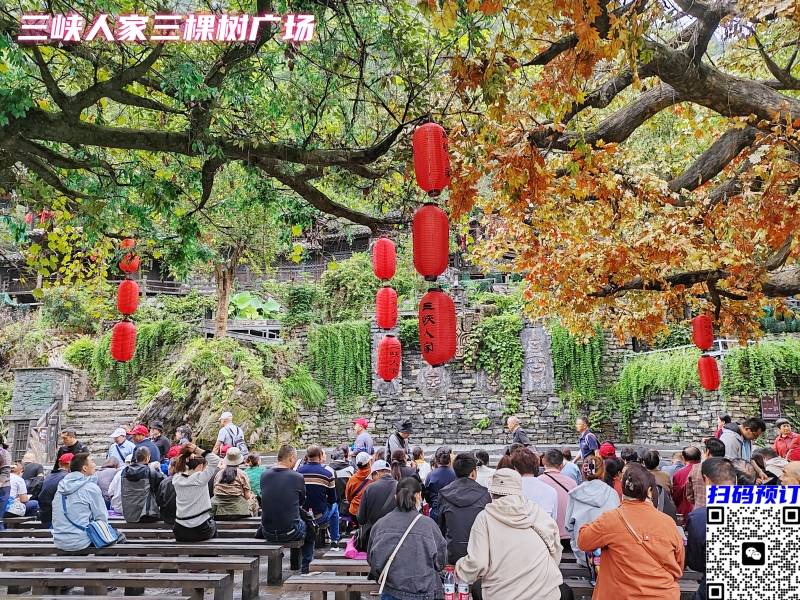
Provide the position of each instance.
(627, 571)
(353, 484)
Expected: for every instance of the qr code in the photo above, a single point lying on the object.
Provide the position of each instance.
(753, 552)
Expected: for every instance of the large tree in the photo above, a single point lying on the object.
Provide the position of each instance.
(636, 157)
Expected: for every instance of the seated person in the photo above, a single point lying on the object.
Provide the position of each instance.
(138, 488)
(233, 498)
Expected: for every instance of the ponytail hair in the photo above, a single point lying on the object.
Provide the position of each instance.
(398, 461)
(186, 460)
(406, 494)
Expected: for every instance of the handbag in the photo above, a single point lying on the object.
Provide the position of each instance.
(351, 552)
(100, 533)
(385, 571)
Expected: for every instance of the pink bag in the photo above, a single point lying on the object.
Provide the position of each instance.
(351, 552)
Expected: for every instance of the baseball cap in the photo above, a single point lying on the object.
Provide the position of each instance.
(361, 421)
(225, 415)
(379, 465)
(139, 430)
(173, 451)
(118, 432)
(780, 422)
(66, 458)
(362, 459)
(607, 450)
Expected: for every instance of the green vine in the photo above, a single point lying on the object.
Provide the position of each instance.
(408, 332)
(494, 346)
(761, 368)
(577, 366)
(339, 356)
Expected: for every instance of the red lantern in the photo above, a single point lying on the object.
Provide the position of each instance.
(389, 354)
(431, 162)
(437, 327)
(703, 332)
(708, 371)
(384, 259)
(129, 263)
(386, 308)
(127, 244)
(128, 297)
(123, 341)
(430, 232)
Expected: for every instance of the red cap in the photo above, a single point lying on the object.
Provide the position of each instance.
(361, 421)
(224, 449)
(607, 450)
(65, 459)
(173, 451)
(139, 430)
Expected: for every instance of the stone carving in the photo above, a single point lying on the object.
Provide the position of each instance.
(433, 382)
(537, 372)
(487, 384)
(464, 324)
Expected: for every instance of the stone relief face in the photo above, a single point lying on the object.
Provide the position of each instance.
(537, 374)
(433, 382)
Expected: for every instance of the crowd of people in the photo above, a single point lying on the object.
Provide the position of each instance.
(634, 523)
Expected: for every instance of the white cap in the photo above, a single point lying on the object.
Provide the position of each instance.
(362, 459)
(379, 465)
(119, 431)
(225, 415)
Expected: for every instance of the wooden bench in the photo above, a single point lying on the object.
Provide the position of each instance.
(13, 522)
(583, 589)
(345, 588)
(340, 566)
(574, 570)
(192, 584)
(122, 524)
(158, 534)
(247, 565)
(74, 597)
(273, 552)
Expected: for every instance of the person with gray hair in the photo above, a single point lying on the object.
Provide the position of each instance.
(518, 434)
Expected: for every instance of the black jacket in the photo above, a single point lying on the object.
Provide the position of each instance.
(696, 546)
(520, 437)
(163, 445)
(76, 448)
(378, 500)
(46, 495)
(165, 497)
(459, 504)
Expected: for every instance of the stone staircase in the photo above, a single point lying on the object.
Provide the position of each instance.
(94, 420)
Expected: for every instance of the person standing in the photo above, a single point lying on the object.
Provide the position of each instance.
(526, 463)
(587, 442)
(785, 437)
(399, 439)
(194, 470)
(321, 500)
(50, 487)
(716, 471)
(562, 485)
(283, 491)
(159, 439)
(518, 434)
(513, 546)
(422, 465)
(642, 553)
(722, 420)
(229, 435)
(70, 445)
(588, 501)
(363, 442)
(691, 455)
(415, 576)
(5, 478)
(121, 447)
(183, 435)
(738, 439)
(77, 502)
(441, 476)
(140, 437)
(695, 485)
(676, 465)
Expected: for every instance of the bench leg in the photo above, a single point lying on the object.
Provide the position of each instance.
(224, 591)
(250, 581)
(347, 595)
(134, 591)
(294, 559)
(317, 595)
(194, 593)
(275, 568)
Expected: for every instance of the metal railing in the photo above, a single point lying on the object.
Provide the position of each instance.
(720, 347)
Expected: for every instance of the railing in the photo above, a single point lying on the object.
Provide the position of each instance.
(262, 331)
(720, 347)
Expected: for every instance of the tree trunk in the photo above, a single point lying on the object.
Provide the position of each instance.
(223, 275)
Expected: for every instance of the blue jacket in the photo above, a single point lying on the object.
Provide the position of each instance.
(120, 451)
(84, 503)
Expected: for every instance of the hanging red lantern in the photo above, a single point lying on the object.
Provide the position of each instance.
(430, 232)
(437, 327)
(123, 341)
(708, 371)
(128, 297)
(384, 258)
(127, 244)
(130, 263)
(386, 308)
(703, 332)
(389, 354)
(431, 161)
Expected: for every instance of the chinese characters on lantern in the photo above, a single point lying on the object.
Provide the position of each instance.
(193, 27)
(427, 324)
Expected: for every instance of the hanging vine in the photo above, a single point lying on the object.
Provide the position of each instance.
(761, 368)
(577, 365)
(494, 346)
(339, 355)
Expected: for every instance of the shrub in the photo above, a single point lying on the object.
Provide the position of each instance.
(79, 353)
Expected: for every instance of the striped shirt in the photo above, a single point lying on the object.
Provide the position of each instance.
(320, 487)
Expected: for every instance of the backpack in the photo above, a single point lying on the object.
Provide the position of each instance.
(236, 437)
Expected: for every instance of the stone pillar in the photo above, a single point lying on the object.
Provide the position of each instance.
(537, 370)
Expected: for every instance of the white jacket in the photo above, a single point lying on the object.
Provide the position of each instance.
(514, 546)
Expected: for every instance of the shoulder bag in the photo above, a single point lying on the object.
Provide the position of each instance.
(385, 571)
(638, 538)
(100, 533)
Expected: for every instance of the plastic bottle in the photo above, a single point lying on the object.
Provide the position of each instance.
(449, 583)
(463, 590)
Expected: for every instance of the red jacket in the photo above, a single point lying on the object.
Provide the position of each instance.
(679, 481)
(794, 449)
(783, 443)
